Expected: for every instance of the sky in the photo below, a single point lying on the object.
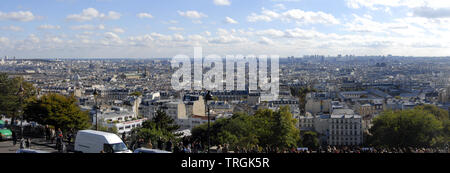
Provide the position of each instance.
(165, 28)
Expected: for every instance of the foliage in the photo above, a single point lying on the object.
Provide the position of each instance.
(137, 94)
(161, 126)
(10, 101)
(310, 139)
(102, 128)
(264, 128)
(301, 94)
(415, 127)
(58, 111)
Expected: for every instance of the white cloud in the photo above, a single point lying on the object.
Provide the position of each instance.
(11, 28)
(145, 15)
(271, 33)
(111, 39)
(192, 14)
(46, 26)
(229, 20)
(118, 30)
(297, 15)
(265, 40)
(222, 2)
(380, 4)
(173, 28)
(89, 14)
(88, 27)
(22, 16)
(429, 12)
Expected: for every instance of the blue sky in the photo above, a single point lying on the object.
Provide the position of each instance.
(150, 28)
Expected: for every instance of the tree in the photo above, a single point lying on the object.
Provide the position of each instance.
(301, 94)
(10, 101)
(164, 122)
(58, 111)
(310, 139)
(137, 94)
(264, 128)
(161, 126)
(407, 128)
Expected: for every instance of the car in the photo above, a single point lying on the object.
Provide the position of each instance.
(147, 150)
(91, 141)
(5, 134)
(31, 151)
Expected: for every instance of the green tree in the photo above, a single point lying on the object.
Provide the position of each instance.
(58, 111)
(264, 128)
(137, 94)
(10, 101)
(406, 128)
(301, 94)
(310, 139)
(164, 122)
(161, 126)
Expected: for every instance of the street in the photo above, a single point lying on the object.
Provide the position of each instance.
(36, 144)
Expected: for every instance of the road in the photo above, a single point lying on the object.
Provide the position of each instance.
(36, 144)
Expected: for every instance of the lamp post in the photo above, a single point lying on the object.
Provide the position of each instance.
(208, 97)
(20, 94)
(96, 108)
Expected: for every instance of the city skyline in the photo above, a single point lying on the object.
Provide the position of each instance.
(115, 29)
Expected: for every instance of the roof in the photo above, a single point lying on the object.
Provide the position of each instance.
(111, 137)
(343, 112)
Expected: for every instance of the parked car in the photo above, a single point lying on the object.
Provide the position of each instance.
(91, 141)
(5, 134)
(147, 150)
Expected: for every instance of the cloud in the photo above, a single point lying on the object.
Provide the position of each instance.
(265, 40)
(145, 15)
(88, 27)
(270, 33)
(297, 15)
(222, 2)
(175, 28)
(229, 20)
(118, 30)
(192, 14)
(22, 16)
(429, 12)
(11, 28)
(380, 4)
(89, 14)
(46, 26)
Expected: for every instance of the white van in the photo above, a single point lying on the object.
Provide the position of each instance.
(91, 141)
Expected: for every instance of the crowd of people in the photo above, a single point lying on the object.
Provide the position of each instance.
(198, 147)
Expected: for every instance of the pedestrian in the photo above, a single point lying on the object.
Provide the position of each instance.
(160, 143)
(149, 144)
(169, 145)
(22, 143)
(52, 135)
(14, 137)
(219, 149)
(28, 143)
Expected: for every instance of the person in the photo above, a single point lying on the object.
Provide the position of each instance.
(169, 145)
(219, 149)
(124, 137)
(28, 143)
(22, 143)
(70, 136)
(52, 135)
(14, 137)
(149, 144)
(160, 143)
